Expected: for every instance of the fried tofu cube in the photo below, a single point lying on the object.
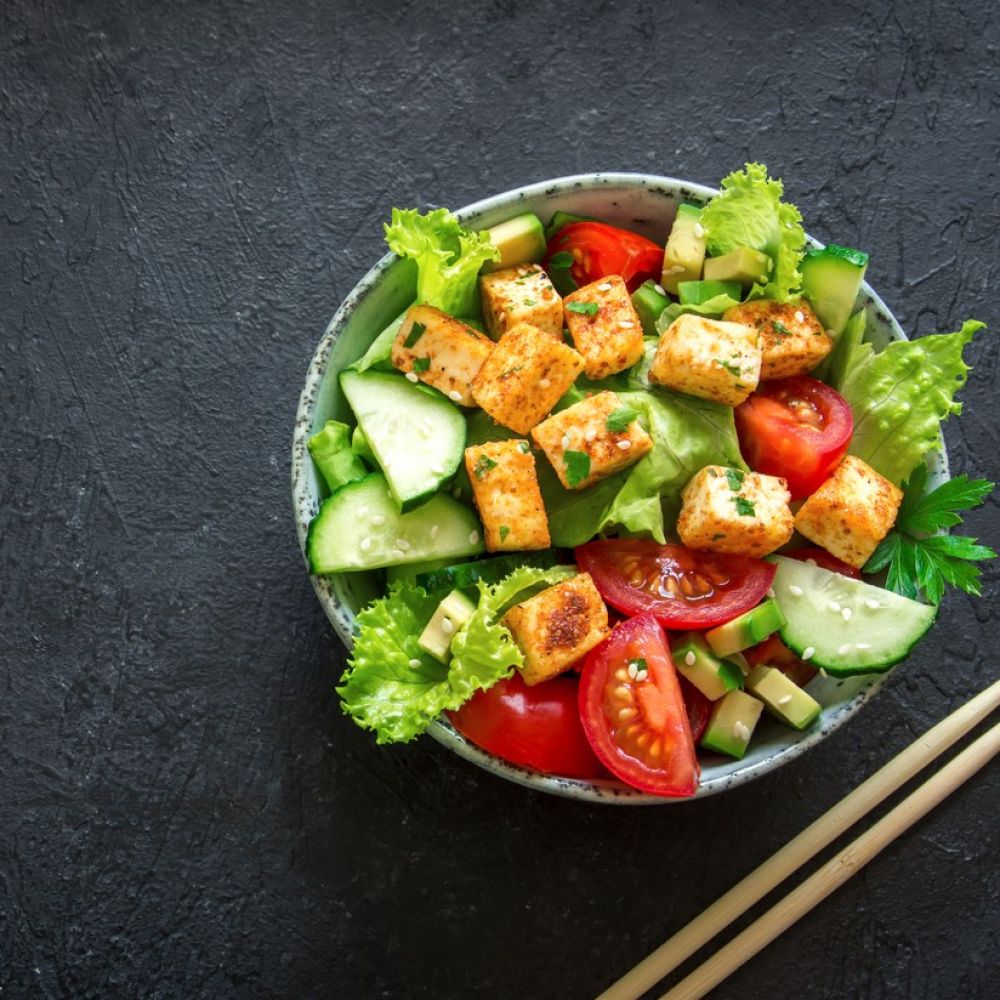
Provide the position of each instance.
(601, 432)
(517, 295)
(440, 351)
(557, 627)
(505, 489)
(708, 358)
(793, 341)
(728, 510)
(851, 512)
(609, 336)
(524, 377)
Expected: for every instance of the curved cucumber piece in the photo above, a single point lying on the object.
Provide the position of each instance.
(849, 626)
(488, 570)
(417, 437)
(831, 278)
(360, 527)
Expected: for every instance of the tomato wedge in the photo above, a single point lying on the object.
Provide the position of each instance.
(699, 708)
(636, 720)
(682, 588)
(797, 428)
(537, 727)
(598, 250)
(823, 558)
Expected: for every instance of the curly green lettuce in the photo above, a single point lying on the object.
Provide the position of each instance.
(901, 395)
(749, 212)
(448, 257)
(395, 689)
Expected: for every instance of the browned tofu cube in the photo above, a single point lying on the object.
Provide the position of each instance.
(793, 340)
(505, 489)
(524, 377)
(851, 512)
(557, 627)
(441, 351)
(604, 326)
(600, 434)
(518, 295)
(728, 510)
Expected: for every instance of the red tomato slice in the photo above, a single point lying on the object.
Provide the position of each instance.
(599, 250)
(797, 428)
(699, 708)
(638, 726)
(823, 558)
(682, 588)
(537, 727)
(773, 652)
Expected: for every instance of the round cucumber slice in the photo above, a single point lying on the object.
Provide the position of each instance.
(846, 626)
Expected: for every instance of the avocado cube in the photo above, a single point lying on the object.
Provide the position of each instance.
(694, 293)
(746, 630)
(649, 301)
(520, 240)
(331, 452)
(684, 253)
(731, 724)
(712, 676)
(782, 697)
(744, 264)
(452, 613)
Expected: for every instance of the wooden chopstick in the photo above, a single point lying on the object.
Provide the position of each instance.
(838, 870)
(804, 846)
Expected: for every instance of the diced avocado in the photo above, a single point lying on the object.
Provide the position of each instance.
(561, 219)
(744, 265)
(649, 303)
(684, 253)
(746, 630)
(831, 278)
(331, 451)
(361, 447)
(733, 720)
(782, 697)
(710, 675)
(452, 613)
(694, 293)
(740, 661)
(520, 240)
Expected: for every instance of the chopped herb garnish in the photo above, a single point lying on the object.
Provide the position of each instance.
(483, 465)
(525, 447)
(577, 466)
(735, 479)
(730, 367)
(780, 329)
(529, 302)
(561, 260)
(583, 308)
(511, 371)
(713, 473)
(619, 419)
(718, 535)
(421, 364)
(744, 507)
(504, 532)
(416, 332)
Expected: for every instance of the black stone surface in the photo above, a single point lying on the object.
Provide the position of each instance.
(187, 192)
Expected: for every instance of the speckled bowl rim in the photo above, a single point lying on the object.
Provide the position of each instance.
(342, 620)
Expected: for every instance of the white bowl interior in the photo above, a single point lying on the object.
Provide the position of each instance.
(645, 204)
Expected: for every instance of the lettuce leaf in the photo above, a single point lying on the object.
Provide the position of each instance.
(901, 395)
(448, 257)
(749, 212)
(713, 307)
(394, 688)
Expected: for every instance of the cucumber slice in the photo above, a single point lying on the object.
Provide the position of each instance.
(845, 626)
(360, 527)
(417, 437)
(831, 278)
(331, 452)
(488, 570)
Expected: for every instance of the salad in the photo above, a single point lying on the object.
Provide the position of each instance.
(627, 498)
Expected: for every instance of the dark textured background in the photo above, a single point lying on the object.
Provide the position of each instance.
(187, 190)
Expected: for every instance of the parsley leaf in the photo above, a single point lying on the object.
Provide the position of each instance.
(416, 332)
(583, 308)
(618, 420)
(780, 329)
(735, 479)
(730, 367)
(561, 260)
(504, 532)
(577, 467)
(916, 563)
(421, 364)
(744, 507)
(483, 465)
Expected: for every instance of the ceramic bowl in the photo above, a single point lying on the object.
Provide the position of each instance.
(645, 204)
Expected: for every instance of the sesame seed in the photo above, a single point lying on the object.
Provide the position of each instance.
(626, 324)
(605, 287)
(411, 377)
(844, 649)
(414, 663)
(473, 537)
(565, 441)
(641, 675)
(812, 562)
(808, 653)
(590, 435)
(784, 699)
(632, 670)
(740, 731)
(677, 269)
(800, 316)
(544, 383)
(454, 395)
(378, 519)
(699, 230)
(823, 673)
(660, 289)
(689, 658)
(447, 625)
(402, 543)
(434, 531)
(870, 602)
(366, 544)
(625, 445)
(437, 470)
(426, 426)
(847, 614)
(834, 606)
(363, 509)
(795, 590)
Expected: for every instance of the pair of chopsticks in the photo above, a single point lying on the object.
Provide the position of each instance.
(807, 845)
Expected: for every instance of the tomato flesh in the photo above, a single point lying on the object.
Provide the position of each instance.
(699, 708)
(824, 559)
(682, 588)
(636, 720)
(537, 727)
(599, 250)
(797, 428)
